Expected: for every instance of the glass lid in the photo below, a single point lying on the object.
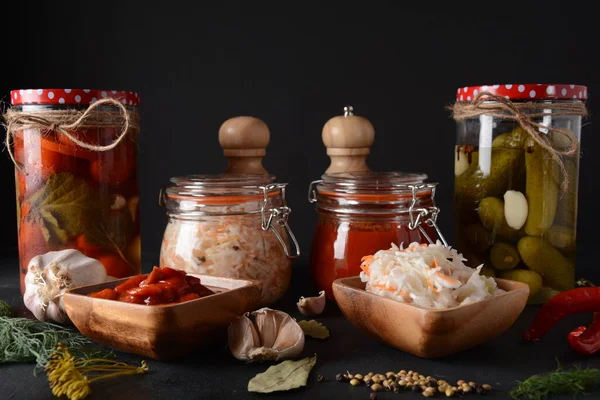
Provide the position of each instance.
(370, 182)
(219, 185)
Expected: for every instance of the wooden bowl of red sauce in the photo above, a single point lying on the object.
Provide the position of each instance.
(162, 315)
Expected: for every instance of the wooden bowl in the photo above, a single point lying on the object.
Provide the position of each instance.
(429, 332)
(162, 331)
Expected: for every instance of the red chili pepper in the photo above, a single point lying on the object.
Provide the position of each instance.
(574, 301)
(586, 340)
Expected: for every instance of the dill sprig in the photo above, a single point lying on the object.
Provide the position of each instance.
(24, 340)
(5, 310)
(72, 378)
(567, 382)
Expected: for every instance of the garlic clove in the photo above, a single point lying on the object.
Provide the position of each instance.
(311, 306)
(265, 334)
(243, 337)
(516, 209)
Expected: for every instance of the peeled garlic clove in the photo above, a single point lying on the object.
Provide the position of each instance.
(516, 209)
(312, 306)
(265, 334)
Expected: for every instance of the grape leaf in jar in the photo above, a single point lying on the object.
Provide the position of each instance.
(64, 205)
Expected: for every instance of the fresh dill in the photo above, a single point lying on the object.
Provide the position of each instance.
(573, 382)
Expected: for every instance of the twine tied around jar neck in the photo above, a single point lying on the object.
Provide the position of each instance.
(486, 103)
(63, 121)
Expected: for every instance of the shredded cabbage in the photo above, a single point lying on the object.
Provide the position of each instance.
(232, 246)
(425, 275)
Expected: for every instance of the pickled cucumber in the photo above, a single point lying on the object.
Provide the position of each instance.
(514, 139)
(504, 256)
(477, 238)
(540, 256)
(491, 215)
(488, 271)
(472, 185)
(561, 237)
(541, 189)
(531, 278)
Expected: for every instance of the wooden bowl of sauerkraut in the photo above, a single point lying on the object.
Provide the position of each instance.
(426, 302)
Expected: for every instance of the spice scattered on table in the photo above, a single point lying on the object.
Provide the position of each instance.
(573, 382)
(412, 381)
(314, 329)
(284, 376)
(72, 378)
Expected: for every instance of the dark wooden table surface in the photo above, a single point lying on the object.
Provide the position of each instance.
(216, 374)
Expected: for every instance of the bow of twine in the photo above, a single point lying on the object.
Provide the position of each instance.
(486, 103)
(63, 121)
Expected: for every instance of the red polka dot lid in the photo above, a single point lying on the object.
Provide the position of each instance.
(71, 96)
(535, 91)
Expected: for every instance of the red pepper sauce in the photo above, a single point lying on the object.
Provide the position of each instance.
(338, 247)
(162, 286)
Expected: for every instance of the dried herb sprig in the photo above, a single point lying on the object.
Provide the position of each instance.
(567, 382)
(72, 378)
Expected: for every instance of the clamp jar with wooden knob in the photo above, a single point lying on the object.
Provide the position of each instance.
(232, 224)
(360, 211)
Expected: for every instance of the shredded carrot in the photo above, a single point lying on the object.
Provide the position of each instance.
(435, 264)
(446, 278)
(431, 286)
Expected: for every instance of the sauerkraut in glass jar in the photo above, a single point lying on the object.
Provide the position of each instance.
(230, 225)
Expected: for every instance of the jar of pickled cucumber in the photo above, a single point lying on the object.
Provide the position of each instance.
(516, 164)
(75, 157)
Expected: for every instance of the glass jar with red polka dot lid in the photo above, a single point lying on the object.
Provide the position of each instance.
(75, 157)
(516, 167)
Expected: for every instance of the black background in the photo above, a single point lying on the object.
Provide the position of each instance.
(295, 65)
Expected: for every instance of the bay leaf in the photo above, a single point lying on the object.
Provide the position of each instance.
(284, 376)
(314, 329)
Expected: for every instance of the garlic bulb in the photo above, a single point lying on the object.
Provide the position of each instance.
(265, 334)
(312, 306)
(50, 275)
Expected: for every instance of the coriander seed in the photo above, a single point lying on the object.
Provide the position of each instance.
(373, 396)
(486, 387)
(376, 387)
(358, 376)
(355, 382)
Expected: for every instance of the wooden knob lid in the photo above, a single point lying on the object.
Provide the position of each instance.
(348, 139)
(244, 141)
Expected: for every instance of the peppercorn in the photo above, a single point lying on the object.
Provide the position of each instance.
(373, 396)
(355, 382)
(376, 387)
(236, 248)
(480, 390)
(416, 389)
(202, 259)
(395, 387)
(486, 387)
(341, 378)
(368, 381)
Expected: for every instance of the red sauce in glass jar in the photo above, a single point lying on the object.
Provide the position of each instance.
(361, 213)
